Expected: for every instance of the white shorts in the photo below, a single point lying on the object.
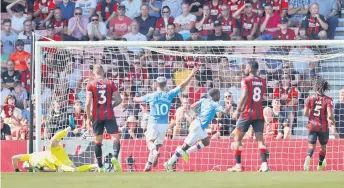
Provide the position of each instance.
(156, 132)
(195, 133)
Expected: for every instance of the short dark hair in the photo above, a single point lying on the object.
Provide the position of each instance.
(321, 85)
(254, 65)
(171, 24)
(17, 83)
(95, 15)
(166, 7)
(6, 21)
(212, 92)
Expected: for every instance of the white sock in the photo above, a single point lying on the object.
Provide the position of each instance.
(150, 158)
(175, 156)
(195, 147)
(264, 165)
(152, 148)
(238, 165)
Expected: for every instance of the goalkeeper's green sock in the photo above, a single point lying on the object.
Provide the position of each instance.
(86, 168)
(58, 136)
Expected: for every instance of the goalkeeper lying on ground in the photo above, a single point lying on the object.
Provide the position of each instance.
(51, 161)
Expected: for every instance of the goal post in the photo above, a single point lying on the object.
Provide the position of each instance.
(63, 68)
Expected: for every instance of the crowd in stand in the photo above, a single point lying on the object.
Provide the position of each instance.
(134, 70)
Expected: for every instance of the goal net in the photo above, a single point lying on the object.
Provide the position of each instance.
(62, 70)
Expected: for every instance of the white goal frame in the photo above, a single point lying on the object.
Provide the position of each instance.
(39, 45)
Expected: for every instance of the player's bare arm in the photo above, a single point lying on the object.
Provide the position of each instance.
(89, 98)
(117, 99)
(242, 101)
(137, 99)
(306, 111)
(185, 82)
(15, 160)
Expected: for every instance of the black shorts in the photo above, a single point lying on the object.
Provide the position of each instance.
(243, 125)
(109, 124)
(322, 136)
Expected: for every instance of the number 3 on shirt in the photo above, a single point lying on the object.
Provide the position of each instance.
(102, 97)
(256, 94)
(162, 109)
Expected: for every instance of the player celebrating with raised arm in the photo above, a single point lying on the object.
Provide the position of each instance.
(206, 109)
(250, 109)
(51, 161)
(318, 109)
(160, 104)
(100, 94)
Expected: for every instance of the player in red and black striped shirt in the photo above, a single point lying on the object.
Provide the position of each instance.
(250, 108)
(100, 94)
(318, 109)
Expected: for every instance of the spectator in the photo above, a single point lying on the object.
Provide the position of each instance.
(288, 68)
(248, 20)
(57, 119)
(79, 116)
(204, 75)
(5, 130)
(8, 37)
(147, 23)
(107, 10)
(77, 26)
(339, 115)
(26, 35)
(256, 7)
(10, 76)
(269, 23)
(279, 6)
(88, 7)
(16, 13)
(164, 20)
(229, 24)
(302, 35)
(285, 33)
(11, 114)
(215, 8)
(131, 129)
(205, 23)
(226, 122)
(144, 115)
(288, 96)
(119, 25)
(4, 93)
(297, 10)
(132, 8)
(161, 69)
(4, 59)
(156, 36)
(67, 7)
(125, 109)
(218, 34)
(43, 12)
(20, 94)
(20, 57)
(171, 34)
(196, 6)
(234, 5)
(139, 76)
(185, 21)
(154, 8)
(184, 118)
(51, 36)
(73, 76)
(174, 6)
(46, 95)
(329, 10)
(194, 35)
(96, 30)
(315, 24)
(134, 35)
(25, 78)
(60, 24)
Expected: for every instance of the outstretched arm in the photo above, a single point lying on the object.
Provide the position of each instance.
(15, 160)
(185, 82)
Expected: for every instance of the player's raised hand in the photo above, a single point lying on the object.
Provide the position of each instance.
(194, 70)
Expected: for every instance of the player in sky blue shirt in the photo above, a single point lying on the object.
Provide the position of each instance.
(160, 104)
(206, 109)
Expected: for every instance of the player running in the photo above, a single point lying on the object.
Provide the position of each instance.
(100, 94)
(250, 109)
(206, 109)
(159, 103)
(51, 161)
(318, 109)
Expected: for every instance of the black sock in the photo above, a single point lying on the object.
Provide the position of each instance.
(98, 151)
(310, 152)
(263, 155)
(237, 156)
(322, 155)
(116, 148)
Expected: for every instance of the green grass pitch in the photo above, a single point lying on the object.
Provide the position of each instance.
(174, 180)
